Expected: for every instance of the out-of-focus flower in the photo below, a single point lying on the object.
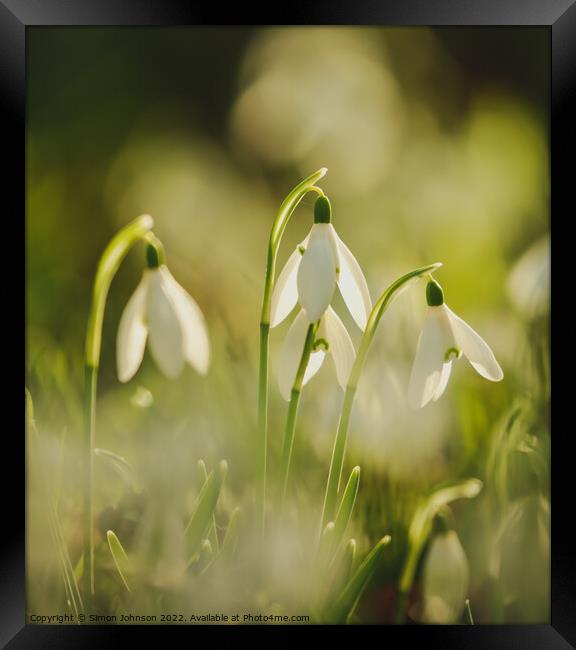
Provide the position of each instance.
(445, 579)
(332, 338)
(445, 337)
(142, 398)
(311, 273)
(407, 445)
(528, 284)
(163, 312)
(318, 94)
(519, 559)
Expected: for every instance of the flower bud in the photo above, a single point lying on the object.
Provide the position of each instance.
(445, 579)
(434, 294)
(322, 210)
(153, 256)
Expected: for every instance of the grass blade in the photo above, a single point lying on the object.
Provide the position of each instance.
(121, 466)
(79, 568)
(326, 544)
(70, 582)
(339, 573)
(202, 518)
(231, 537)
(347, 561)
(119, 556)
(212, 533)
(346, 507)
(468, 612)
(206, 556)
(348, 600)
(68, 574)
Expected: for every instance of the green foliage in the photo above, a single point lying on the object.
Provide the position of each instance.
(343, 608)
(203, 516)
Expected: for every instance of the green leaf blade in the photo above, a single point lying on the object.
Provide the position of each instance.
(346, 603)
(120, 557)
(346, 506)
(202, 518)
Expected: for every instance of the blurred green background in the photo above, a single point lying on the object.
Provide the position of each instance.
(436, 142)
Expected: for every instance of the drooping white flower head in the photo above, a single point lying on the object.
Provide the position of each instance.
(445, 579)
(332, 339)
(445, 337)
(312, 272)
(163, 313)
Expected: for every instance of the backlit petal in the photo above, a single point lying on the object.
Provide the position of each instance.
(314, 364)
(445, 579)
(426, 375)
(341, 348)
(285, 295)
(165, 331)
(353, 285)
(444, 377)
(291, 353)
(475, 348)
(195, 333)
(132, 333)
(316, 277)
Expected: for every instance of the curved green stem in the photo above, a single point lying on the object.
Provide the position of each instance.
(107, 267)
(293, 407)
(284, 213)
(339, 449)
(420, 528)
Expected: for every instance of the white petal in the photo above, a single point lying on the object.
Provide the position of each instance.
(433, 342)
(165, 331)
(285, 295)
(314, 364)
(475, 348)
(353, 285)
(341, 348)
(195, 333)
(528, 284)
(445, 579)
(316, 277)
(291, 353)
(132, 332)
(444, 377)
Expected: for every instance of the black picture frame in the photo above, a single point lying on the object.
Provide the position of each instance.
(558, 16)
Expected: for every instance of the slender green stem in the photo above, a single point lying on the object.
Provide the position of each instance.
(339, 449)
(401, 602)
(293, 407)
(263, 423)
(90, 382)
(338, 453)
(281, 221)
(107, 267)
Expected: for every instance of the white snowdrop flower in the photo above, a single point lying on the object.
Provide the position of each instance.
(332, 339)
(312, 272)
(528, 284)
(445, 579)
(163, 313)
(445, 337)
